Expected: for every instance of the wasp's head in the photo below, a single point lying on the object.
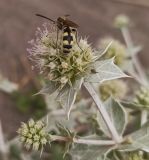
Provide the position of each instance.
(60, 22)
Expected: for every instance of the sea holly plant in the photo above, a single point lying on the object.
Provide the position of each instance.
(66, 73)
(90, 130)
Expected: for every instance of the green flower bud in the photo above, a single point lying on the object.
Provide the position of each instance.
(116, 50)
(115, 88)
(33, 134)
(142, 97)
(121, 21)
(135, 156)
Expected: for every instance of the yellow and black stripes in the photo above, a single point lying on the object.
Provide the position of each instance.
(68, 39)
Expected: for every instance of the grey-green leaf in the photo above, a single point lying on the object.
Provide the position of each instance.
(134, 50)
(106, 70)
(49, 88)
(117, 115)
(67, 96)
(102, 51)
(139, 139)
(135, 106)
(88, 152)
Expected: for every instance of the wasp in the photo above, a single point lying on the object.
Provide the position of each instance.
(69, 31)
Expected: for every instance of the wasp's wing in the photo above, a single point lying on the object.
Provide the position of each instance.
(70, 23)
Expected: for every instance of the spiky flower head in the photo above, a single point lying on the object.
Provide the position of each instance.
(33, 134)
(54, 64)
(135, 156)
(142, 97)
(115, 88)
(117, 50)
(121, 21)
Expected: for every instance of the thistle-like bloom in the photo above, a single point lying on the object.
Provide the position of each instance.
(121, 21)
(58, 67)
(135, 156)
(142, 97)
(65, 73)
(33, 134)
(117, 50)
(115, 88)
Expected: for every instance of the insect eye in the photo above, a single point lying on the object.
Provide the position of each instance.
(73, 30)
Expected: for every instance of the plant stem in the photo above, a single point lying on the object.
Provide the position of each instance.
(130, 46)
(82, 141)
(103, 112)
(144, 115)
(3, 146)
(142, 78)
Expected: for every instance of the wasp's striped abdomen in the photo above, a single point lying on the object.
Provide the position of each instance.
(68, 39)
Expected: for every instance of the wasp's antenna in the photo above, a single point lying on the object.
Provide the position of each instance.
(39, 15)
(66, 15)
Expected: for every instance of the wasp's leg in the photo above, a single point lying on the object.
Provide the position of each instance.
(57, 35)
(76, 35)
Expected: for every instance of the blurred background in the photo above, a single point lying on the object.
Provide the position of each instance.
(18, 26)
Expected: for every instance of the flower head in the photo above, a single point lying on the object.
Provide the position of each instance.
(121, 21)
(116, 50)
(56, 66)
(33, 134)
(142, 97)
(135, 156)
(115, 88)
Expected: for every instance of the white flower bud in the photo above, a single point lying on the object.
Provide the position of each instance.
(64, 65)
(43, 141)
(79, 61)
(24, 131)
(22, 139)
(29, 141)
(36, 138)
(36, 146)
(64, 80)
(142, 97)
(31, 123)
(52, 65)
(50, 76)
(32, 130)
(52, 51)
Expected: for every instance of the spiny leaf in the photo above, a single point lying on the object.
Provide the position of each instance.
(64, 131)
(67, 96)
(128, 66)
(103, 51)
(105, 70)
(134, 50)
(88, 152)
(139, 140)
(117, 115)
(135, 106)
(49, 88)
